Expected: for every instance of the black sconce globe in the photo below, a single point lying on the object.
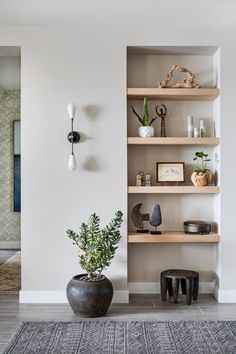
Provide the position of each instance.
(73, 137)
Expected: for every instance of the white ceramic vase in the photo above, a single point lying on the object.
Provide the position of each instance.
(146, 132)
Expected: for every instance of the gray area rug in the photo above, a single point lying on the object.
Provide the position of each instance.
(136, 337)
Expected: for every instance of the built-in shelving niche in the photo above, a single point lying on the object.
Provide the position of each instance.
(148, 255)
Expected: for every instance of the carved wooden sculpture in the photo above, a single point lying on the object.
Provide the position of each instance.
(138, 218)
(188, 81)
(162, 114)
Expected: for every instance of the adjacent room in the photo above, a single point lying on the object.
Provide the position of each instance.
(117, 137)
(10, 192)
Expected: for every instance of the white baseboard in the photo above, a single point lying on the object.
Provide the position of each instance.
(144, 288)
(120, 297)
(225, 296)
(42, 297)
(10, 245)
(59, 297)
(154, 288)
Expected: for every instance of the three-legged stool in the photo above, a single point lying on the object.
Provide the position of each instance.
(170, 282)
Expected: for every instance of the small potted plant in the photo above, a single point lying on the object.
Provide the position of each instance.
(90, 294)
(201, 176)
(145, 130)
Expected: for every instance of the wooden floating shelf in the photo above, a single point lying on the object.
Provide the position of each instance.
(172, 237)
(174, 189)
(173, 141)
(201, 94)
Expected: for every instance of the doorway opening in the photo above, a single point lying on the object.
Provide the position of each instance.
(10, 170)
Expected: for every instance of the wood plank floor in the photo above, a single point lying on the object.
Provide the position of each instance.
(141, 307)
(6, 254)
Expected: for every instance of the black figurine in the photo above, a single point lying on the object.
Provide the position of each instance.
(162, 114)
(156, 219)
(138, 218)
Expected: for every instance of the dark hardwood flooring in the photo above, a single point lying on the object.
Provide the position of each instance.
(141, 307)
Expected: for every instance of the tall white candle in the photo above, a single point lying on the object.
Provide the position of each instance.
(196, 132)
(202, 128)
(190, 126)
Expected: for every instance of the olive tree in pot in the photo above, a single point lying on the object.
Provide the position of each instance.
(90, 294)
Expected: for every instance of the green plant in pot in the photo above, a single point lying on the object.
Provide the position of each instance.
(145, 130)
(201, 176)
(90, 294)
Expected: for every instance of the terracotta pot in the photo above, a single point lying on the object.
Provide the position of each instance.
(201, 179)
(89, 298)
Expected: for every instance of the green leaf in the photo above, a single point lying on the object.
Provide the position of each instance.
(203, 158)
(96, 247)
(145, 108)
(137, 115)
(145, 119)
(153, 120)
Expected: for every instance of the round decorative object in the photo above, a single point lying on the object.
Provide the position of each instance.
(73, 137)
(89, 298)
(197, 227)
(146, 132)
(201, 179)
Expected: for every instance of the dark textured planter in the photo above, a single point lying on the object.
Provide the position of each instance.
(89, 298)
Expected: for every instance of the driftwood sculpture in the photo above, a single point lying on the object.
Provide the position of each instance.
(162, 114)
(188, 81)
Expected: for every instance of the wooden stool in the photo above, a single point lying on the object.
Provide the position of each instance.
(170, 282)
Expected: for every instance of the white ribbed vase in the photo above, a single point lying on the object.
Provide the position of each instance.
(146, 132)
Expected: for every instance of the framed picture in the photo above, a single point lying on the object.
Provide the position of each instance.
(170, 172)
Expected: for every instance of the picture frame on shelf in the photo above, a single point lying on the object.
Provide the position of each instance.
(170, 172)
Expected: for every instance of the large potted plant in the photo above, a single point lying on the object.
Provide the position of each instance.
(145, 130)
(202, 176)
(90, 294)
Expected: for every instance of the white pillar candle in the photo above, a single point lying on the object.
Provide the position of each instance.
(202, 128)
(190, 126)
(196, 132)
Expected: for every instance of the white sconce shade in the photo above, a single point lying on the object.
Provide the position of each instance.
(71, 110)
(71, 163)
(73, 136)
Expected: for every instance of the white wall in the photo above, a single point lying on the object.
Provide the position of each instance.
(88, 66)
(10, 72)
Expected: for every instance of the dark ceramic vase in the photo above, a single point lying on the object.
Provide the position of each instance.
(89, 298)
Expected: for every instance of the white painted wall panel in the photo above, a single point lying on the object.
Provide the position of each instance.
(88, 66)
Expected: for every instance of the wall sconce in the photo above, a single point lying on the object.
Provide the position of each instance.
(73, 137)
